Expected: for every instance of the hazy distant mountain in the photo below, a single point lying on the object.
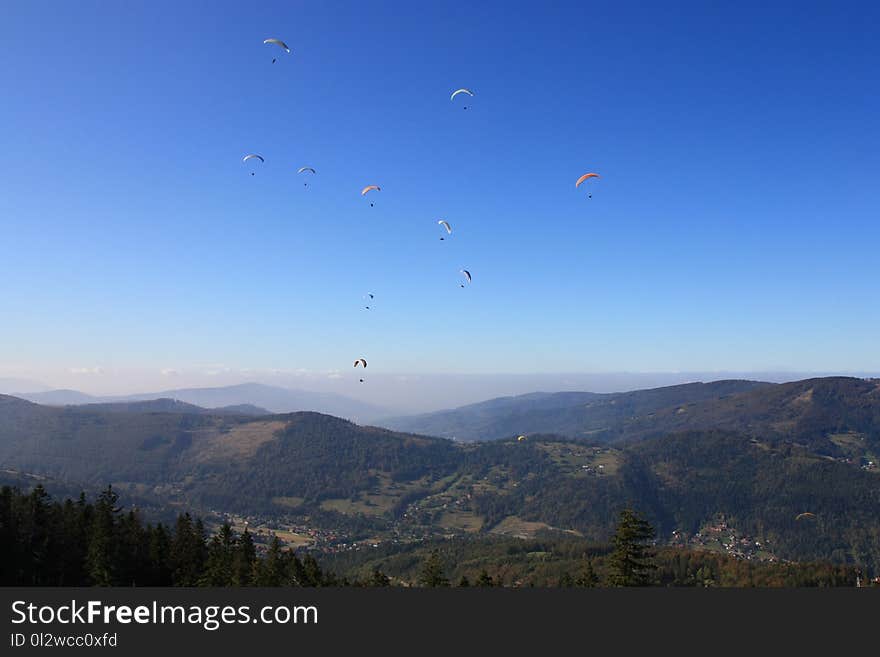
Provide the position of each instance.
(272, 398)
(574, 414)
(167, 405)
(61, 397)
(239, 409)
(256, 395)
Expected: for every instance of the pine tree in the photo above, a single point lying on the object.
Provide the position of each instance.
(219, 565)
(160, 556)
(704, 576)
(100, 561)
(379, 579)
(587, 578)
(243, 561)
(73, 542)
(187, 551)
(312, 571)
(631, 561)
(485, 579)
(296, 572)
(132, 552)
(9, 545)
(270, 571)
(39, 536)
(432, 572)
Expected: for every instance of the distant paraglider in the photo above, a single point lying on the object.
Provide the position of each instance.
(467, 278)
(520, 439)
(584, 177)
(445, 224)
(361, 361)
(279, 43)
(252, 156)
(370, 188)
(461, 91)
(805, 516)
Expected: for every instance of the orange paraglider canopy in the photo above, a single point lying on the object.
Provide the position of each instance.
(584, 177)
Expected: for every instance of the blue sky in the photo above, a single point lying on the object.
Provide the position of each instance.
(735, 226)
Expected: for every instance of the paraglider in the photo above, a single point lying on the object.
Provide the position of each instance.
(304, 170)
(519, 439)
(445, 224)
(370, 188)
(584, 177)
(368, 295)
(361, 361)
(467, 275)
(461, 91)
(253, 156)
(279, 43)
(805, 515)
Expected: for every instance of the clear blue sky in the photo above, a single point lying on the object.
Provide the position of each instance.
(735, 225)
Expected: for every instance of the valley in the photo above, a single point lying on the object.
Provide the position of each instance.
(719, 467)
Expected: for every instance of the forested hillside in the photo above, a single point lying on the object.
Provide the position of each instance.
(574, 414)
(782, 472)
(83, 542)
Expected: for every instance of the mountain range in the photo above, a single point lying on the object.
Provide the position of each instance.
(273, 399)
(573, 414)
(742, 456)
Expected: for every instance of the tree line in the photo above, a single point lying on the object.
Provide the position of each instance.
(44, 542)
(81, 543)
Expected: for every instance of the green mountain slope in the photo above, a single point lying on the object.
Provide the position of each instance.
(730, 471)
(574, 414)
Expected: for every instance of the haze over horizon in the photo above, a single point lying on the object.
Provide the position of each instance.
(733, 230)
(398, 393)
